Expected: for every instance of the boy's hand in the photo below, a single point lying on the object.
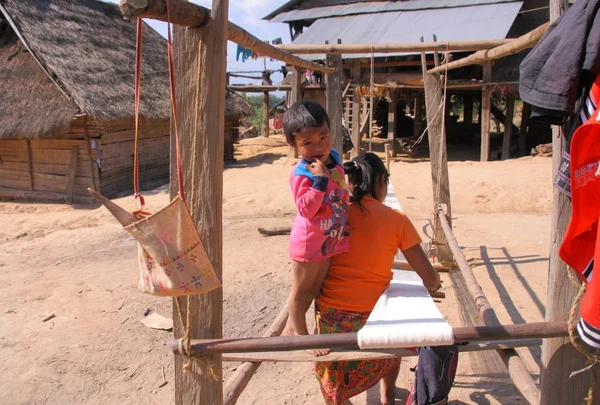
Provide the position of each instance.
(317, 168)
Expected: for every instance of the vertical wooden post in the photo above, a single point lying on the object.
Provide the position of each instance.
(265, 129)
(468, 112)
(29, 163)
(434, 102)
(200, 80)
(559, 357)
(508, 122)
(386, 148)
(86, 136)
(356, 107)
(525, 115)
(486, 104)
(71, 174)
(417, 124)
(334, 102)
(296, 96)
(391, 135)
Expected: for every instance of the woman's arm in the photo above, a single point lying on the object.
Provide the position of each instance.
(420, 263)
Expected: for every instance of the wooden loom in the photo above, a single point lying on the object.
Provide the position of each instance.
(210, 33)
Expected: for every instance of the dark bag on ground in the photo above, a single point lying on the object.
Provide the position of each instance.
(434, 375)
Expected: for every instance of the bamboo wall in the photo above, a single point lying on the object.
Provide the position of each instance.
(43, 170)
(116, 156)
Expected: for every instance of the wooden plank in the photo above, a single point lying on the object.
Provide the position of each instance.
(237, 382)
(128, 134)
(486, 103)
(200, 62)
(71, 174)
(391, 135)
(46, 168)
(525, 115)
(29, 164)
(57, 144)
(333, 100)
(508, 123)
(434, 104)
(91, 163)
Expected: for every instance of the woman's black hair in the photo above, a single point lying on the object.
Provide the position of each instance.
(364, 173)
(303, 114)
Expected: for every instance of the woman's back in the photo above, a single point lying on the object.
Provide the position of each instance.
(357, 278)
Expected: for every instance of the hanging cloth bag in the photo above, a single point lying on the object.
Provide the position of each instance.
(172, 259)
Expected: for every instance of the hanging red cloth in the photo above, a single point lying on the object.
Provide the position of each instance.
(580, 248)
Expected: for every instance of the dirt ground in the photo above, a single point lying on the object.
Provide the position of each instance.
(77, 263)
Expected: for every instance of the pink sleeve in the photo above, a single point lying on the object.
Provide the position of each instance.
(308, 199)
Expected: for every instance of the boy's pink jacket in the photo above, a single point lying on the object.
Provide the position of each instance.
(320, 229)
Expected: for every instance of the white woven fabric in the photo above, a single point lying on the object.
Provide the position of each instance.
(405, 316)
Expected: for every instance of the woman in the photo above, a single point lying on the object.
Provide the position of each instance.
(358, 277)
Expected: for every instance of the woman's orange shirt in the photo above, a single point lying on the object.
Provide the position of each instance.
(358, 277)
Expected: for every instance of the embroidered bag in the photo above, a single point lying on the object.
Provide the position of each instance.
(172, 259)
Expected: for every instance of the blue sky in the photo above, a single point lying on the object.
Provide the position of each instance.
(247, 14)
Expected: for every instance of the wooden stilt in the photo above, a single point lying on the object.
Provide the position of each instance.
(417, 124)
(29, 163)
(468, 112)
(434, 103)
(71, 174)
(387, 156)
(516, 367)
(486, 102)
(200, 68)
(237, 382)
(334, 102)
(266, 128)
(356, 107)
(296, 96)
(525, 115)
(510, 106)
(471, 334)
(391, 135)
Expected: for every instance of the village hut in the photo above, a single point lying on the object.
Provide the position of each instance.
(67, 105)
(399, 93)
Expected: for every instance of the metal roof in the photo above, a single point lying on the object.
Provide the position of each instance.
(480, 22)
(376, 7)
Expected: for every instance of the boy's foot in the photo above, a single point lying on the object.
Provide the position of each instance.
(318, 352)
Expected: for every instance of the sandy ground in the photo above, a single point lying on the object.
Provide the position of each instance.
(76, 263)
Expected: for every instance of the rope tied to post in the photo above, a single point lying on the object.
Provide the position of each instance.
(592, 359)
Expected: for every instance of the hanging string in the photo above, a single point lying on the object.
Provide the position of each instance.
(592, 359)
(371, 99)
(137, 212)
(180, 190)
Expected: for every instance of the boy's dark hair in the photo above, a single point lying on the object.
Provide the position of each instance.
(303, 114)
(364, 173)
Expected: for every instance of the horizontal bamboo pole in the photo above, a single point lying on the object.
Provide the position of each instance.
(393, 47)
(516, 367)
(259, 88)
(188, 14)
(523, 42)
(350, 340)
(355, 355)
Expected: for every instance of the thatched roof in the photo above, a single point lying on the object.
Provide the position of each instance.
(89, 49)
(30, 102)
(236, 106)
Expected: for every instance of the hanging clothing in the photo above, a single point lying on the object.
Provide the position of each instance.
(245, 53)
(580, 248)
(566, 60)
